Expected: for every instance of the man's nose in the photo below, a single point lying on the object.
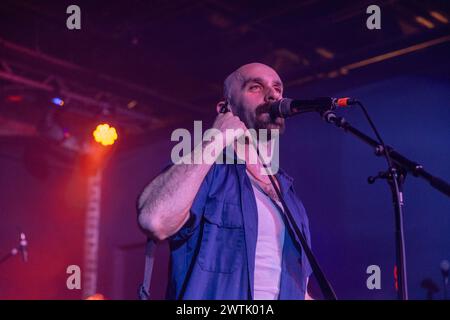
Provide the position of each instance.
(272, 95)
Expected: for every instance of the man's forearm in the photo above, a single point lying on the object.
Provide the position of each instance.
(165, 203)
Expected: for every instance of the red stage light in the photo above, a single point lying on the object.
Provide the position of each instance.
(14, 98)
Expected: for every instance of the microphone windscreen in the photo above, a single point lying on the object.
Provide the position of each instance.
(445, 266)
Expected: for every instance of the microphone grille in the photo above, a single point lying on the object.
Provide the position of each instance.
(445, 265)
(285, 107)
(280, 108)
(23, 240)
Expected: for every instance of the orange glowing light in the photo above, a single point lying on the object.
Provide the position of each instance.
(96, 296)
(105, 135)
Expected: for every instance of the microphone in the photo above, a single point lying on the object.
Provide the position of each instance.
(445, 266)
(23, 247)
(286, 107)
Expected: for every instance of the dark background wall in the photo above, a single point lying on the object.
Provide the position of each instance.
(352, 222)
(47, 203)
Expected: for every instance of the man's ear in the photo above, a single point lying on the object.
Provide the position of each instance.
(221, 106)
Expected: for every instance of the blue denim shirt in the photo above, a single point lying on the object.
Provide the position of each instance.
(213, 254)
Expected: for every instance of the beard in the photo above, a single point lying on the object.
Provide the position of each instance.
(260, 118)
(263, 120)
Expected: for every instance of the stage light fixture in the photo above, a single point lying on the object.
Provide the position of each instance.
(105, 134)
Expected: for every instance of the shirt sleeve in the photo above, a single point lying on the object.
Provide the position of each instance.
(195, 213)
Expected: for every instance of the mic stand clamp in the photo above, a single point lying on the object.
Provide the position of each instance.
(399, 173)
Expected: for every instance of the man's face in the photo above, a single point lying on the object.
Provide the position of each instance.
(254, 87)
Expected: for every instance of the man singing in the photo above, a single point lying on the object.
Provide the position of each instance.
(224, 222)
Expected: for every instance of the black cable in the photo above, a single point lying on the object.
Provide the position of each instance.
(377, 134)
(325, 286)
(398, 203)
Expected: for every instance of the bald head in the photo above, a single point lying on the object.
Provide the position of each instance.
(238, 77)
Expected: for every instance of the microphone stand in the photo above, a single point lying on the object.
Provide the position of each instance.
(445, 282)
(10, 254)
(444, 271)
(16, 250)
(395, 175)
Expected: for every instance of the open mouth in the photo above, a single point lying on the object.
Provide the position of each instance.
(265, 118)
(263, 109)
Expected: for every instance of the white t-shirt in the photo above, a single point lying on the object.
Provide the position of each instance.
(269, 246)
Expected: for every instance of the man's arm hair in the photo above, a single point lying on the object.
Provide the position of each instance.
(164, 205)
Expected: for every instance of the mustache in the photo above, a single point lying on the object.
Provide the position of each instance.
(265, 109)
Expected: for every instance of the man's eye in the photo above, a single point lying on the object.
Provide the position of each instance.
(255, 87)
